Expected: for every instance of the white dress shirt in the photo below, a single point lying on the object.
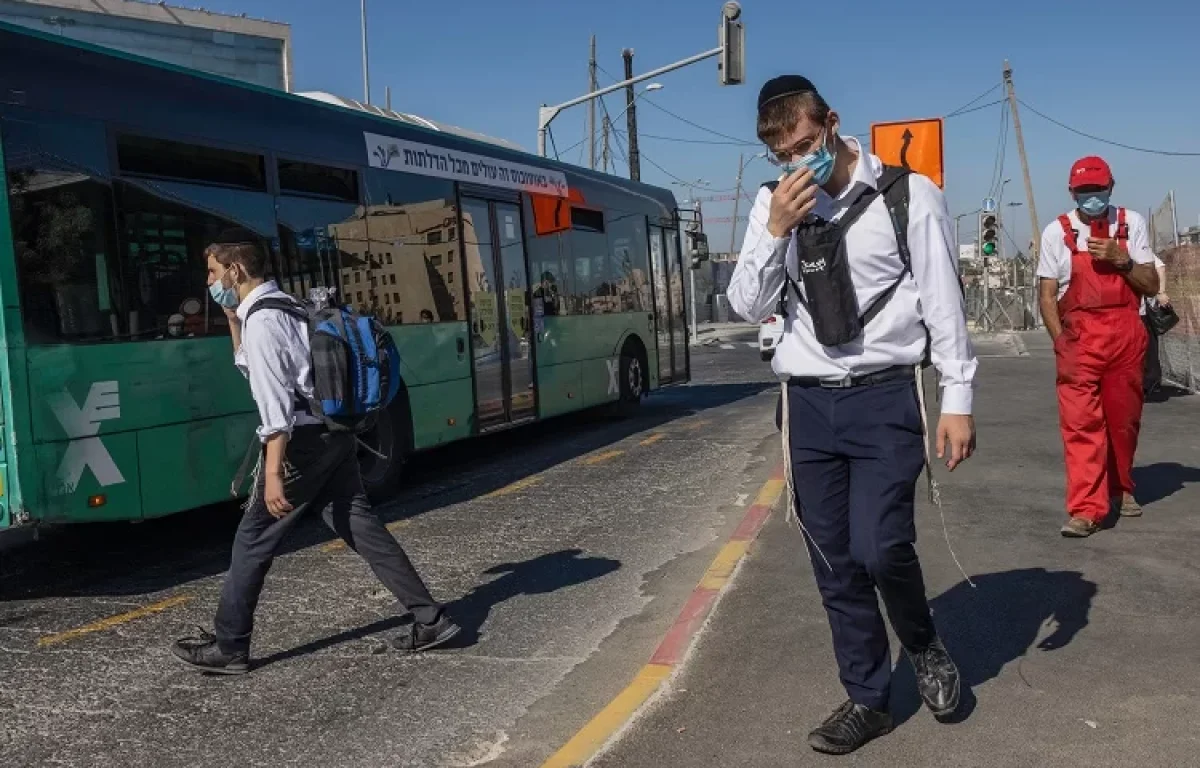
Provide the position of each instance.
(1054, 262)
(275, 357)
(930, 297)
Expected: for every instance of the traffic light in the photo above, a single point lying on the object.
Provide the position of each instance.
(989, 234)
(731, 37)
(697, 247)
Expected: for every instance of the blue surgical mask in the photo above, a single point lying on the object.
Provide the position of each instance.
(820, 162)
(1093, 203)
(226, 297)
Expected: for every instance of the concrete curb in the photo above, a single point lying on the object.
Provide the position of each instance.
(603, 729)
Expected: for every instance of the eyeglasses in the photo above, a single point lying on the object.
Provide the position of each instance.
(800, 149)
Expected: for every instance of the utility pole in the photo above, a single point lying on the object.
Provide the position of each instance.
(606, 125)
(1036, 232)
(635, 164)
(737, 199)
(592, 107)
(366, 71)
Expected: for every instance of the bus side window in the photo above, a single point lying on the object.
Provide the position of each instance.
(61, 209)
(163, 228)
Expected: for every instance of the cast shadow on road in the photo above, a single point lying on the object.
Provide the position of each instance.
(996, 623)
(1156, 482)
(120, 559)
(538, 576)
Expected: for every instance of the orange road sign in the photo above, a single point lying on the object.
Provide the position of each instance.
(914, 144)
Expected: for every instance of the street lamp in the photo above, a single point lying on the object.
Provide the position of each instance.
(959, 218)
(731, 49)
(640, 94)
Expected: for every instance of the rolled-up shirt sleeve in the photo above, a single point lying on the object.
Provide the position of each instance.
(759, 275)
(935, 269)
(265, 351)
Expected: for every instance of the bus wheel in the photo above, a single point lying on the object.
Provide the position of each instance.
(381, 454)
(632, 380)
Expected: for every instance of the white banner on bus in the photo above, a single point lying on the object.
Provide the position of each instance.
(429, 160)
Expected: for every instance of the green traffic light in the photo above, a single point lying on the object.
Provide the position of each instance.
(989, 249)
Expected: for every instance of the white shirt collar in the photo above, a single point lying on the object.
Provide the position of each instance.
(244, 308)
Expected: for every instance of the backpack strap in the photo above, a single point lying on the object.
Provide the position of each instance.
(1069, 238)
(893, 183)
(287, 305)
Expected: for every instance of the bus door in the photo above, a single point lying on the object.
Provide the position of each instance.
(669, 318)
(501, 327)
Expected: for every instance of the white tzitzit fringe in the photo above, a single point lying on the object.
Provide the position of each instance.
(793, 512)
(935, 490)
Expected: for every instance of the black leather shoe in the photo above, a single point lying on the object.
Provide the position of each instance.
(848, 728)
(422, 637)
(937, 678)
(202, 653)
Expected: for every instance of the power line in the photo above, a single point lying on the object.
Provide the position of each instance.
(963, 109)
(1167, 152)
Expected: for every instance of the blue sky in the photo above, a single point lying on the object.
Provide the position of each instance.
(1117, 70)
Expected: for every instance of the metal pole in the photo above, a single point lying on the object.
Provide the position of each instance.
(387, 97)
(1036, 232)
(635, 164)
(604, 150)
(592, 107)
(737, 198)
(692, 272)
(366, 70)
(1174, 221)
(546, 114)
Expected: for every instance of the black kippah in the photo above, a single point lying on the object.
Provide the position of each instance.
(784, 85)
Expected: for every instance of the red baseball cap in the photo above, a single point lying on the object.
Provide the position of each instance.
(1090, 172)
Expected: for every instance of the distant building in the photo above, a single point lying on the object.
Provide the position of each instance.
(250, 50)
(1190, 236)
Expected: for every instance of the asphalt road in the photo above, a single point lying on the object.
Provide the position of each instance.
(1078, 654)
(566, 550)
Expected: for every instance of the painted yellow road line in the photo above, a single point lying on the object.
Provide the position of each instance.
(653, 438)
(338, 545)
(674, 646)
(592, 737)
(692, 426)
(113, 621)
(600, 458)
(519, 485)
(723, 564)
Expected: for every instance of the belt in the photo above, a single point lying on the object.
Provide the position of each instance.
(894, 373)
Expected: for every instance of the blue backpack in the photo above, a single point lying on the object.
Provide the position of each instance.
(355, 363)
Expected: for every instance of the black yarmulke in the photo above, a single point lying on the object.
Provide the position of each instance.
(784, 85)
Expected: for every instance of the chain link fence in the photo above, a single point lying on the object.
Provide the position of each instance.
(1179, 349)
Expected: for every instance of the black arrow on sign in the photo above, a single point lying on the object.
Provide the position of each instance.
(908, 137)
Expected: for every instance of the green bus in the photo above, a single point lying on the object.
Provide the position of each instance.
(516, 287)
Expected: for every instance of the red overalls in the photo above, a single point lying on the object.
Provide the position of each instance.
(1099, 356)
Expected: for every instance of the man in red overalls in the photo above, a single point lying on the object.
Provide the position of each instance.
(1095, 267)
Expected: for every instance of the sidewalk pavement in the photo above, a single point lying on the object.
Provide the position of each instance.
(1077, 652)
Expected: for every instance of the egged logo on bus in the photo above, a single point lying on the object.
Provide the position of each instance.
(82, 425)
(385, 155)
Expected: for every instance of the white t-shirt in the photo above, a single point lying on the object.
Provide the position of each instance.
(1055, 259)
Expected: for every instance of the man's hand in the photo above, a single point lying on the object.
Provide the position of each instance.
(958, 432)
(1163, 300)
(277, 503)
(1107, 249)
(792, 200)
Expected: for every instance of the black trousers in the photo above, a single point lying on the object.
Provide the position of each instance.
(1152, 379)
(321, 472)
(856, 456)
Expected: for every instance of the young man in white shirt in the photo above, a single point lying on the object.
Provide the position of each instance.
(866, 315)
(1094, 271)
(303, 466)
